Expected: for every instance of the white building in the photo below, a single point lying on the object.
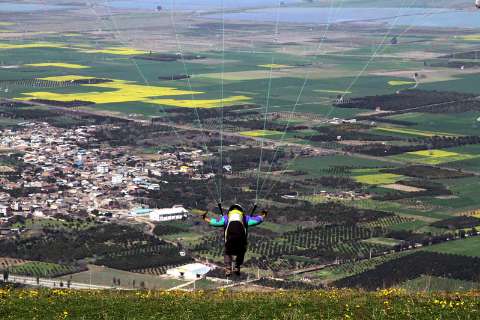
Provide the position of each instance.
(103, 168)
(190, 271)
(117, 179)
(168, 214)
(4, 210)
(153, 187)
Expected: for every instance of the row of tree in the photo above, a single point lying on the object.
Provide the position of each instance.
(412, 266)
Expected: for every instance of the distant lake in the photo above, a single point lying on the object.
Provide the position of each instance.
(28, 7)
(196, 5)
(428, 17)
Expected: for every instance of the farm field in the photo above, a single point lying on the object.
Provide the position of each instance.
(426, 213)
(461, 83)
(462, 123)
(332, 273)
(464, 195)
(9, 262)
(383, 241)
(260, 133)
(409, 226)
(319, 166)
(412, 132)
(104, 276)
(434, 157)
(470, 164)
(400, 83)
(467, 247)
(58, 65)
(248, 73)
(379, 178)
(364, 114)
(42, 269)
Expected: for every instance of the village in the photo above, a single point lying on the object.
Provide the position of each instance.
(57, 177)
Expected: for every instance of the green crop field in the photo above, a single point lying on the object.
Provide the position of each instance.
(411, 132)
(467, 247)
(42, 269)
(332, 273)
(244, 73)
(318, 165)
(104, 276)
(427, 214)
(278, 227)
(462, 123)
(379, 178)
(464, 195)
(389, 242)
(408, 226)
(463, 83)
(470, 164)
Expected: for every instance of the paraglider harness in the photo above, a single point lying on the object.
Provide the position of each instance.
(236, 230)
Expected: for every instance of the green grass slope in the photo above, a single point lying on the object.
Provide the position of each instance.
(334, 304)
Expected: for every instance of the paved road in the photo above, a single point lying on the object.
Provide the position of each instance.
(55, 283)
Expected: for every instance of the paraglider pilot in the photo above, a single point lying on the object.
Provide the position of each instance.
(235, 223)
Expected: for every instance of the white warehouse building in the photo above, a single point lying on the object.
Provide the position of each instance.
(190, 271)
(168, 214)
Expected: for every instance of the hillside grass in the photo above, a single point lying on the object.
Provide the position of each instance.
(333, 304)
(429, 283)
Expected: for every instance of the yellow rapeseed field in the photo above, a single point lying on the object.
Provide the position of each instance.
(32, 45)
(260, 133)
(274, 66)
(200, 103)
(435, 153)
(67, 78)
(400, 83)
(115, 50)
(109, 50)
(122, 91)
(471, 37)
(434, 157)
(58, 65)
(379, 178)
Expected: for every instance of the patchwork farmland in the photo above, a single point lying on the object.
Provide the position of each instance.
(362, 140)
